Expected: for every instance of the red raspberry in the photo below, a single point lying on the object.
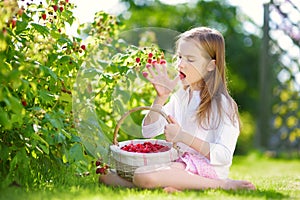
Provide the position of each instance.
(44, 16)
(98, 163)
(61, 9)
(24, 103)
(138, 60)
(83, 47)
(146, 147)
(55, 8)
(150, 55)
(149, 61)
(13, 23)
(101, 170)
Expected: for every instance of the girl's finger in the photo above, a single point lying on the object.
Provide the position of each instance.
(164, 68)
(176, 79)
(146, 75)
(172, 119)
(149, 67)
(157, 68)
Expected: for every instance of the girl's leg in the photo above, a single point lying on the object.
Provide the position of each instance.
(174, 176)
(112, 179)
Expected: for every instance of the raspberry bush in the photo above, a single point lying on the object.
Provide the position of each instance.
(39, 64)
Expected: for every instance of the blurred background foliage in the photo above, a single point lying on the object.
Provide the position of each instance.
(61, 95)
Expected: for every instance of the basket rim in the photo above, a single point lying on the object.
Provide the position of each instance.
(160, 111)
(117, 148)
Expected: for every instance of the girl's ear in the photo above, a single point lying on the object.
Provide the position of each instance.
(211, 65)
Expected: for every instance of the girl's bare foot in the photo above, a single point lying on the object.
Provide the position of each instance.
(171, 190)
(112, 179)
(238, 184)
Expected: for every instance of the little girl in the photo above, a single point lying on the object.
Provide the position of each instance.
(205, 121)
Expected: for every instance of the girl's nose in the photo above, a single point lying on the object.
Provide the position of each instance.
(180, 64)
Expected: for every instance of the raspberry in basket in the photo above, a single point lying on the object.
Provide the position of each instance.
(146, 147)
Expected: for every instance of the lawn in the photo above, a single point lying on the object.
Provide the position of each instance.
(274, 179)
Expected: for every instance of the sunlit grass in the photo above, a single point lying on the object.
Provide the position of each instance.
(274, 179)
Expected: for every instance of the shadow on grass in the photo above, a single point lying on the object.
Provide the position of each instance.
(244, 194)
(267, 194)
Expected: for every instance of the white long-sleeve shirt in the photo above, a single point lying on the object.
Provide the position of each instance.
(222, 140)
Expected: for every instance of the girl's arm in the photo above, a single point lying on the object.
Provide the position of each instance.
(163, 86)
(152, 117)
(219, 152)
(156, 123)
(174, 133)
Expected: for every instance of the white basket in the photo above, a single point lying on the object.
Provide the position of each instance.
(127, 162)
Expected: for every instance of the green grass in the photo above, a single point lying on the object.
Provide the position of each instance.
(274, 179)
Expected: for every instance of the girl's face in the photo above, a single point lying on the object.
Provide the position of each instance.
(192, 62)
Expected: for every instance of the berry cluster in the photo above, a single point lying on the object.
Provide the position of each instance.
(146, 147)
(151, 59)
(101, 168)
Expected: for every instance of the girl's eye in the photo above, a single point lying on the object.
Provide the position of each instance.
(190, 60)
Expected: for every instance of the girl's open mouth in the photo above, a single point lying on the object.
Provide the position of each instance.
(181, 75)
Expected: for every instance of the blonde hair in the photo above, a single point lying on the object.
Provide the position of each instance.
(214, 84)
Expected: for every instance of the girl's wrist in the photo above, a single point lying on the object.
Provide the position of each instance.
(157, 106)
(159, 100)
(187, 138)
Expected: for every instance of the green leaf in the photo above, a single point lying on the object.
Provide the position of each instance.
(65, 59)
(69, 16)
(54, 121)
(119, 106)
(59, 138)
(37, 137)
(52, 58)
(45, 148)
(66, 97)
(16, 105)
(41, 29)
(4, 120)
(46, 96)
(63, 40)
(22, 25)
(68, 135)
(76, 152)
(16, 118)
(49, 71)
(75, 138)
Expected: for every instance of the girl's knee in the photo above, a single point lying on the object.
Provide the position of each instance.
(144, 180)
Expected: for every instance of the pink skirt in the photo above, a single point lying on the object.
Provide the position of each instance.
(198, 165)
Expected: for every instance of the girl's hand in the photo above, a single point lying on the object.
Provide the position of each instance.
(173, 131)
(160, 79)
